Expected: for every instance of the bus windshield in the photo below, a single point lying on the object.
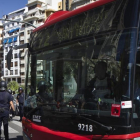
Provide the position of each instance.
(85, 77)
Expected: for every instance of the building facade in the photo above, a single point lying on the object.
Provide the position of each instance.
(38, 12)
(14, 33)
(11, 33)
(1, 48)
(66, 5)
(79, 3)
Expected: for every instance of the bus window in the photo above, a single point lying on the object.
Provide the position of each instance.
(84, 77)
(137, 89)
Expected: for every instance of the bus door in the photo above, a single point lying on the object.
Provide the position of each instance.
(61, 78)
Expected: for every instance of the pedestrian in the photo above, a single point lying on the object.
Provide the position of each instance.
(20, 101)
(15, 103)
(5, 103)
(11, 111)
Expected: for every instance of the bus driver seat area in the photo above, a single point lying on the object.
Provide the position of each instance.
(100, 87)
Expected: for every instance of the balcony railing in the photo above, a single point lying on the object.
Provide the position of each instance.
(22, 38)
(74, 1)
(32, 11)
(22, 69)
(31, 1)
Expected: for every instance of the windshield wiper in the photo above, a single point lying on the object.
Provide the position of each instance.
(104, 127)
(107, 129)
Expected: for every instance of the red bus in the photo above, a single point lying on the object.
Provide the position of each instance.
(83, 73)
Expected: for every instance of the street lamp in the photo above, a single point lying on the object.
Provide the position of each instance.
(9, 54)
(18, 22)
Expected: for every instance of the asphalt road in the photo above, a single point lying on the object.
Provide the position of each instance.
(15, 129)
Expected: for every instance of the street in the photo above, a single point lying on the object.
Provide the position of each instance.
(15, 129)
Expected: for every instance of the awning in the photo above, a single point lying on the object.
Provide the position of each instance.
(5, 41)
(17, 28)
(15, 39)
(11, 31)
(10, 40)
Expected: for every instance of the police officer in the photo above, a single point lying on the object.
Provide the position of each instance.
(20, 101)
(43, 95)
(5, 103)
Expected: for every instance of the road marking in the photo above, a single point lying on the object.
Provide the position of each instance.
(17, 123)
(11, 130)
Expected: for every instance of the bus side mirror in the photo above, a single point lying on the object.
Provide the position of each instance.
(9, 57)
(9, 54)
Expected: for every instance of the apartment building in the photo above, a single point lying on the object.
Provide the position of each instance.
(37, 13)
(79, 3)
(66, 5)
(69, 5)
(11, 33)
(1, 48)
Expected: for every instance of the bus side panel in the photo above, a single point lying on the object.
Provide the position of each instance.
(27, 129)
(43, 133)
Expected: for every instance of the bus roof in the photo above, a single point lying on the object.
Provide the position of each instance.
(62, 15)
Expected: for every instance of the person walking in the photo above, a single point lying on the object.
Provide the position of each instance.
(11, 111)
(15, 103)
(5, 103)
(20, 101)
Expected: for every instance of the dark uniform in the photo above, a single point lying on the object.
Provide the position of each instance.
(20, 98)
(5, 99)
(42, 95)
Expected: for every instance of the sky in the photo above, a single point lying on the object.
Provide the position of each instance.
(8, 6)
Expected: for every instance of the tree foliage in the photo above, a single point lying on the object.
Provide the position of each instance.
(13, 85)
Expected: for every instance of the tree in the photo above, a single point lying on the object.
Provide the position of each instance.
(13, 85)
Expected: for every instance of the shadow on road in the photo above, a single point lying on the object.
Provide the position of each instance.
(17, 138)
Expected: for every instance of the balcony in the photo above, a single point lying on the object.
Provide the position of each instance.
(22, 62)
(28, 18)
(22, 69)
(22, 54)
(33, 11)
(75, 1)
(34, 1)
(42, 16)
(21, 38)
(22, 29)
(39, 24)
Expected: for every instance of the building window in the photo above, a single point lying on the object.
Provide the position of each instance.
(21, 42)
(6, 49)
(19, 80)
(11, 72)
(5, 65)
(23, 25)
(16, 64)
(22, 73)
(22, 80)
(33, 7)
(22, 58)
(15, 55)
(6, 72)
(22, 65)
(13, 79)
(11, 64)
(22, 34)
(16, 72)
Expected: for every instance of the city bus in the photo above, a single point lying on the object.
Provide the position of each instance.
(83, 74)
